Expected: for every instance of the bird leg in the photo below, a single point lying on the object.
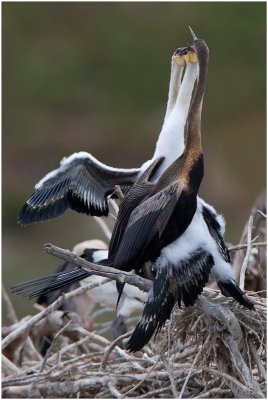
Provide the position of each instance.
(118, 328)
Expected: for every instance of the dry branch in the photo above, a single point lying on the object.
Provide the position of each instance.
(246, 259)
(96, 269)
(11, 313)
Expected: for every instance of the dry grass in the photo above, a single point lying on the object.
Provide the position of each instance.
(216, 349)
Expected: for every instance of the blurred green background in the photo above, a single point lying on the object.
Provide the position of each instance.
(94, 77)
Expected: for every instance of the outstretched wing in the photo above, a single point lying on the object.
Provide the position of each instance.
(146, 222)
(81, 183)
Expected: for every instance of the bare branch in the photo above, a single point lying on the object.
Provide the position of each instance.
(245, 246)
(96, 269)
(262, 213)
(11, 313)
(52, 345)
(111, 347)
(103, 227)
(246, 259)
(8, 366)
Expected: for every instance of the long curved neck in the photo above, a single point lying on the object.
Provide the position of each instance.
(193, 124)
(174, 86)
(191, 161)
(171, 139)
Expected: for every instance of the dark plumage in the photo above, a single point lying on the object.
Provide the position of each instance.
(155, 214)
(161, 218)
(81, 183)
(170, 204)
(173, 283)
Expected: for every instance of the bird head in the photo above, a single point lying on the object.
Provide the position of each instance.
(185, 55)
(199, 46)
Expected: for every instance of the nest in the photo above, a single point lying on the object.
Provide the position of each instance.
(215, 349)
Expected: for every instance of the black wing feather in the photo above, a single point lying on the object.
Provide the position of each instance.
(133, 198)
(215, 231)
(184, 281)
(191, 275)
(146, 222)
(82, 185)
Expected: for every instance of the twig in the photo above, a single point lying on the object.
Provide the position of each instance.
(246, 259)
(11, 313)
(245, 246)
(227, 377)
(52, 345)
(249, 381)
(193, 364)
(105, 341)
(96, 269)
(113, 390)
(63, 350)
(104, 227)
(110, 349)
(151, 394)
(258, 360)
(143, 380)
(261, 213)
(145, 376)
(31, 349)
(113, 203)
(224, 315)
(171, 378)
(22, 328)
(168, 362)
(9, 366)
(259, 303)
(216, 393)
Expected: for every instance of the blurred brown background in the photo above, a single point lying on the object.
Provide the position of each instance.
(94, 77)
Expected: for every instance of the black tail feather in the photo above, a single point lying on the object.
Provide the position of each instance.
(50, 283)
(230, 288)
(120, 289)
(148, 326)
(67, 274)
(181, 282)
(156, 312)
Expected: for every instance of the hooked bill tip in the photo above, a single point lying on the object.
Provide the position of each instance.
(193, 34)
